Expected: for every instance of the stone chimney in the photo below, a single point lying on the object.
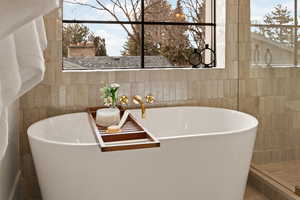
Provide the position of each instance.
(81, 50)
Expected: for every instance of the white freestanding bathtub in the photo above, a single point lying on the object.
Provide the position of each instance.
(205, 154)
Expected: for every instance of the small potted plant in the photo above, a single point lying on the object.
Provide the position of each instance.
(110, 95)
(111, 115)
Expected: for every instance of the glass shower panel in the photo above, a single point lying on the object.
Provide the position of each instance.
(269, 85)
(273, 33)
(297, 53)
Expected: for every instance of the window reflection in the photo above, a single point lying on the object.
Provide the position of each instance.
(274, 33)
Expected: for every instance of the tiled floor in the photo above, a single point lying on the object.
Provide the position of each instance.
(288, 173)
(253, 194)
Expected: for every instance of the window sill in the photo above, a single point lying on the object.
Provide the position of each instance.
(145, 69)
(274, 66)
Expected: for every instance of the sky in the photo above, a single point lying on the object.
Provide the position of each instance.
(259, 8)
(116, 36)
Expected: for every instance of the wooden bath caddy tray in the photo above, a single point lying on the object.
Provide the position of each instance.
(132, 135)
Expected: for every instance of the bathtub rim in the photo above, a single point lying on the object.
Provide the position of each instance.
(43, 140)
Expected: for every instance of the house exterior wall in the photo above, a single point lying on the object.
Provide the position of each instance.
(282, 55)
(79, 51)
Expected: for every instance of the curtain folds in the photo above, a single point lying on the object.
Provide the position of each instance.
(22, 41)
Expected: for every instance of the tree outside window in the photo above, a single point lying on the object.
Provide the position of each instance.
(152, 33)
(274, 35)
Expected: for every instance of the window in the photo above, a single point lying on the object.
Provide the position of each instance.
(134, 34)
(275, 33)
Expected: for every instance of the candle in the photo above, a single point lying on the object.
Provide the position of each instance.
(108, 116)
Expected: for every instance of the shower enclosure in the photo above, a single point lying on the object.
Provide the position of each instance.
(269, 86)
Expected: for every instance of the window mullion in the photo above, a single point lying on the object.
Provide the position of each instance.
(142, 34)
(295, 33)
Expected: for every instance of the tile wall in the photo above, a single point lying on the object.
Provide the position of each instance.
(66, 92)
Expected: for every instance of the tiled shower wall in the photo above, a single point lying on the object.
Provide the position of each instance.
(65, 92)
(273, 96)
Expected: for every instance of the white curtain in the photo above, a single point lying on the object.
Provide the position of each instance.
(22, 41)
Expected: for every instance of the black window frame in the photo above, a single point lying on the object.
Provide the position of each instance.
(142, 23)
